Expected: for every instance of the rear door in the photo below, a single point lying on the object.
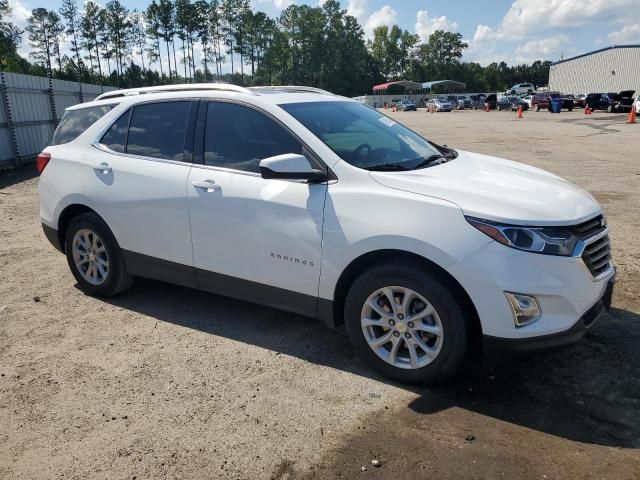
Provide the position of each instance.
(136, 179)
(253, 238)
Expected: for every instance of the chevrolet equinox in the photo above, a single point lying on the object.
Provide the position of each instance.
(298, 199)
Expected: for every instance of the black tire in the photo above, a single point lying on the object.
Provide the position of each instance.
(456, 331)
(536, 108)
(570, 109)
(610, 109)
(117, 279)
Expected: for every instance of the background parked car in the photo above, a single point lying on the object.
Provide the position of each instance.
(520, 88)
(543, 100)
(464, 101)
(624, 101)
(527, 99)
(491, 101)
(440, 105)
(512, 103)
(600, 101)
(579, 100)
(406, 105)
(478, 101)
(636, 104)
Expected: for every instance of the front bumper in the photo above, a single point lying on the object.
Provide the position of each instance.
(563, 287)
(494, 345)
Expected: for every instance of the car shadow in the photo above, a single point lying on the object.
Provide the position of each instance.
(589, 392)
(17, 175)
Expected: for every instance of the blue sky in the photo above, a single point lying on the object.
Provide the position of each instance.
(496, 30)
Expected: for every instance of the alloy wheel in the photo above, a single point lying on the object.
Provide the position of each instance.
(402, 327)
(90, 256)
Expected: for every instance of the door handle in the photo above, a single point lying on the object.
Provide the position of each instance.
(208, 185)
(103, 167)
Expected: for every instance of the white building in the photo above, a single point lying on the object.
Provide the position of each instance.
(611, 69)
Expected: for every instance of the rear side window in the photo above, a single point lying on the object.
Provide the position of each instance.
(238, 137)
(75, 122)
(158, 129)
(116, 137)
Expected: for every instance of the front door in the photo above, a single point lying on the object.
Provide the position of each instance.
(253, 238)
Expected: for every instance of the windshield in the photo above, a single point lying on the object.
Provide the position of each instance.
(362, 136)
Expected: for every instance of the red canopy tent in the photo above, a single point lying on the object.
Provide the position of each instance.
(408, 85)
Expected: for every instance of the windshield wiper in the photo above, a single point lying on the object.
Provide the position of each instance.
(429, 160)
(387, 167)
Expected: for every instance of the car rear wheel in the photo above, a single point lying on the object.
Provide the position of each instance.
(406, 324)
(536, 108)
(94, 257)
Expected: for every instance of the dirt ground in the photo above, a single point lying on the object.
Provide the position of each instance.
(165, 382)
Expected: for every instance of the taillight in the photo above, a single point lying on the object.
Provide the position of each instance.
(42, 160)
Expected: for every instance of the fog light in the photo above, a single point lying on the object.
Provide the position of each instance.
(524, 307)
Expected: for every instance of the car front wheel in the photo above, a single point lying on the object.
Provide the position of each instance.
(406, 324)
(94, 257)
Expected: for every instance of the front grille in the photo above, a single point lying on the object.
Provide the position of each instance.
(590, 228)
(597, 253)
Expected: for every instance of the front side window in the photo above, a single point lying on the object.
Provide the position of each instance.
(75, 122)
(238, 137)
(362, 136)
(158, 130)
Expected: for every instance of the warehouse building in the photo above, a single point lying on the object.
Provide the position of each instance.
(611, 69)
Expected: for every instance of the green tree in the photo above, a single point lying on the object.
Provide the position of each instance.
(91, 27)
(183, 24)
(69, 11)
(167, 29)
(10, 35)
(441, 54)
(152, 17)
(138, 34)
(118, 26)
(45, 29)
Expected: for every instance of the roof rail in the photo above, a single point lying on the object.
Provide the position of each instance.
(292, 88)
(174, 88)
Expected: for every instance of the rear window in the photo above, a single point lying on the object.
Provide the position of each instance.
(75, 122)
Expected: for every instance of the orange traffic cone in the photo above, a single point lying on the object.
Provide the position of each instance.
(587, 111)
(486, 107)
(519, 111)
(632, 115)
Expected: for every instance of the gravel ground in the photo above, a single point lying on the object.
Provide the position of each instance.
(166, 382)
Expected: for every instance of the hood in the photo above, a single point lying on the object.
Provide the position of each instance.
(498, 190)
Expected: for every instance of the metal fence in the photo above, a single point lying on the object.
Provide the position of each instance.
(30, 109)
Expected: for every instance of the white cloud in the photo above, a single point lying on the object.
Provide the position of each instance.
(528, 17)
(544, 49)
(19, 13)
(386, 16)
(628, 34)
(356, 8)
(426, 25)
(279, 4)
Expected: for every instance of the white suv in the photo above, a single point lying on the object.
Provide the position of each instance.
(522, 88)
(298, 199)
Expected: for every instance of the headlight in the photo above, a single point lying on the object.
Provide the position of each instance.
(547, 240)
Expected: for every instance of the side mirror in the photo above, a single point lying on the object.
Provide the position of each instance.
(290, 166)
